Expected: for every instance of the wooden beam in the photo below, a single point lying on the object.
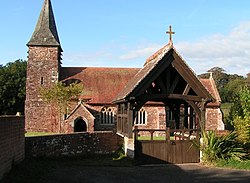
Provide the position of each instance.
(185, 97)
(168, 81)
(162, 86)
(153, 97)
(196, 109)
(176, 80)
(186, 90)
(189, 76)
(154, 73)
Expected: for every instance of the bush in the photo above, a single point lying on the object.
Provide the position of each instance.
(216, 147)
(240, 115)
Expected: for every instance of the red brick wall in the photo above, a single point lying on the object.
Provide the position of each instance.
(76, 144)
(11, 142)
(214, 119)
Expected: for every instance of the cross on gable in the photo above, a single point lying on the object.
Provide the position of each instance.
(170, 34)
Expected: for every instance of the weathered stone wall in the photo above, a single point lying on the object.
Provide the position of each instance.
(76, 144)
(42, 71)
(214, 119)
(11, 142)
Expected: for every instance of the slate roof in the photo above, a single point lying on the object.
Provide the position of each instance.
(45, 33)
(100, 84)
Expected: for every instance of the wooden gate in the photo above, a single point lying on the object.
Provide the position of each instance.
(166, 146)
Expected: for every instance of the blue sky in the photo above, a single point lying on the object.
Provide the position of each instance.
(123, 33)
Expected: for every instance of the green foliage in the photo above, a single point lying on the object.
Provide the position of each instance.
(227, 84)
(229, 91)
(239, 114)
(12, 90)
(245, 165)
(60, 94)
(216, 147)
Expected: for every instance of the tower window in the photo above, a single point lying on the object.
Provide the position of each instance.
(42, 81)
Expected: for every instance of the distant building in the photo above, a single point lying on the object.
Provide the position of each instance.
(107, 89)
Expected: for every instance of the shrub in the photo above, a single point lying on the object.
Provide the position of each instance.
(216, 147)
(240, 115)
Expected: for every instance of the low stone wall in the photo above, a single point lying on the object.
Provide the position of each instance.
(11, 142)
(76, 144)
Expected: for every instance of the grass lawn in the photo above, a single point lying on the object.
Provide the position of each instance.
(154, 138)
(32, 134)
(234, 164)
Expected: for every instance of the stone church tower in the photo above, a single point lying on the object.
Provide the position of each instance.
(44, 59)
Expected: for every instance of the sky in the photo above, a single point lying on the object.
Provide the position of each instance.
(123, 33)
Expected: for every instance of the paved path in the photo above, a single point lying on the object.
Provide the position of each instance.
(188, 173)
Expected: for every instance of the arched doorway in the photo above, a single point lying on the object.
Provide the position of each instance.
(80, 125)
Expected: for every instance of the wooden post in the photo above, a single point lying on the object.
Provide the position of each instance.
(167, 134)
(152, 135)
(183, 136)
(191, 124)
(130, 120)
(186, 115)
(203, 115)
(177, 116)
(136, 133)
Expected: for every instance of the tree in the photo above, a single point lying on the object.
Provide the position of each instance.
(12, 90)
(230, 89)
(59, 96)
(240, 114)
(227, 84)
(248, 79)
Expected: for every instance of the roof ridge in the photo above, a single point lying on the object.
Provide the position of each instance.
(165, 48)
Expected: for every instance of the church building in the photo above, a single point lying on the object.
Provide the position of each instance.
(165, 92)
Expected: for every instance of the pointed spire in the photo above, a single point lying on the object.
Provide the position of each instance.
(45, 33)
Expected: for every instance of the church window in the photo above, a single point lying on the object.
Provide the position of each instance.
(107, 115)
(170, 115)
(141, 117)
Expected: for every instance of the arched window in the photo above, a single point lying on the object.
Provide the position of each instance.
(170, 115)
(107, 115)
(141, 118)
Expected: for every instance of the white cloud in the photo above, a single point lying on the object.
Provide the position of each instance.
(140, 52)
(230, 51)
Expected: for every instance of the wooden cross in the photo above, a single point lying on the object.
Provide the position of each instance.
(170, 33)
